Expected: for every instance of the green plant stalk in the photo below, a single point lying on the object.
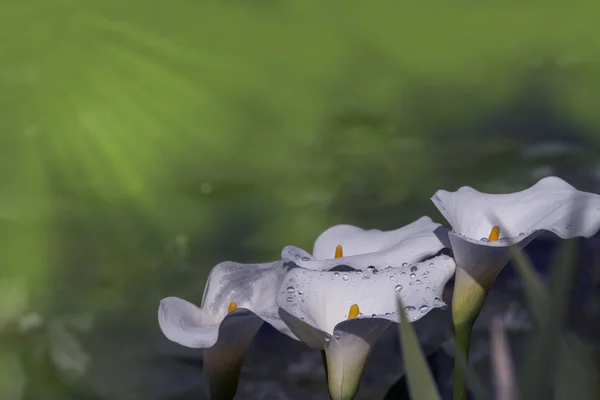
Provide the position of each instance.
(467, 301)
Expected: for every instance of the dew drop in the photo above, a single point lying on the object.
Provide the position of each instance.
(418, 282)
(336, 274)
(446, 258)
(359, 272)
(405, 264)
(360, 314)
(300, 292)
(290, 289)
(402, 273)
(327, 340)
(424, 309)
(409, 308)
(305, 259)
(391, 277)
(375, 271)
(431, 265)
(373, 315)
(424, 274)
(412, 275)
(345, 277)
(427, 288)
(370, 268)
(485, 240)
(437, 299)
(336, 335)
(412, 283)
(398, 288)
(289, 299)
(315, 293)
(414, 268)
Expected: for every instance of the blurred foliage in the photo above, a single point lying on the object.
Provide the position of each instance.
(143, 142)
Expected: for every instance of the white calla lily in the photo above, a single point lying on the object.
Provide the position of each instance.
(481, 247)
(345, 312)
(237, 299)
(422, 236)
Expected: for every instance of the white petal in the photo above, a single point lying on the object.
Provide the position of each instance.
(484, 260)
(251, 286)
(547, 205)
(410, 250)
(295, 254)
(356, 241)
(347, 351)
(182, 322)
(323, 299)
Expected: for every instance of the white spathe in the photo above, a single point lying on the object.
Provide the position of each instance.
(550, 205)
(315, 304)
(225, 335)
(422, 236)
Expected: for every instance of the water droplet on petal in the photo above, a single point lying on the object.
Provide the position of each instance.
(418, 282)
(370, 268)
(327, 340)
(412, 275)
(414, 268)
(373, 315)
(398, 288)
(289, 299)
(391, 277)
(359, 272)
(402, 273)
(290, 289)
(437, 299)
(345, 277)
(431, 265)
(405, 264)
(410, 284)
(300, 292)
(446, 258)
(424, 274)
(424, 309)
(375, 271)
(336, 335)
(484, 239)
(409, 308)
(336, 274)
(305, 259)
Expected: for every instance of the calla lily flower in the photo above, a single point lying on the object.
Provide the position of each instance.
(345, 312)
(481, 248)
(421, 236)
(238, 298)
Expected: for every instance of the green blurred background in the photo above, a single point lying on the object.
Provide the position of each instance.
(142, 142)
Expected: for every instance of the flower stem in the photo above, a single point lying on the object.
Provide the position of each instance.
(463, 338)
(467, 301)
